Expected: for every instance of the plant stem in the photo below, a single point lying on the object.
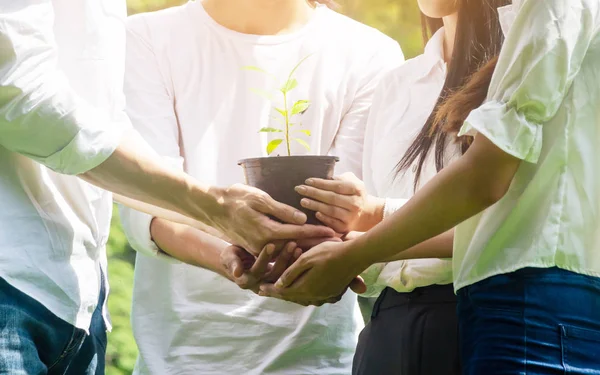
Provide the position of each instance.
(287, 124)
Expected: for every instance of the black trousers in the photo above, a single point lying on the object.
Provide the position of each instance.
(412, 333)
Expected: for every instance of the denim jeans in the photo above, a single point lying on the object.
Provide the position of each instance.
(534, 321)
(33, 341)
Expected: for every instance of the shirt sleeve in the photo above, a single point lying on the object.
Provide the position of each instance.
(542, 54)
(150, 106)
(372, 275)
(349, 140)
(41, 117)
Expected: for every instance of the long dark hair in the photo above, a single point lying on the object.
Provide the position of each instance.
(478, 39)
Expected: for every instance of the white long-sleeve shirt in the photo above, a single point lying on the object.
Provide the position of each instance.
(61, 109)
(190, 98)
(402, 104)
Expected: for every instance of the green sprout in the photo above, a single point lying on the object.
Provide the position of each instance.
(287, 113)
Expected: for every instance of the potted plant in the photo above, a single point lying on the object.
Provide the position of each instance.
(278, 175)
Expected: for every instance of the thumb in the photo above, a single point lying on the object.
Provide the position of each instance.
(358, 285)
(236, 268)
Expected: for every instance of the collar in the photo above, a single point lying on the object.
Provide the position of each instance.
(507, 15)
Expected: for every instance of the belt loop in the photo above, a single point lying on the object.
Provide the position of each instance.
(378, 303)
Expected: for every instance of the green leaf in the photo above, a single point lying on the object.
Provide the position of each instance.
(270, 130)
(289, 85)
(282, 111)
(273, 145)
(255, 69)
(298, 65)
(307, 132)
(262, 93)
(300, 106)
(303, 143)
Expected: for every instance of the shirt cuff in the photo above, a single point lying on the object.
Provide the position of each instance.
(392, 205)
(136, 226)
(508, 129)
(370, 277)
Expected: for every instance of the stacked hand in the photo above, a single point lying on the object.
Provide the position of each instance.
(321, 275)
(245, 220)
(249, 272)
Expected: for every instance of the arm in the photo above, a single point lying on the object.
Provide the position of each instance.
(42, 118)
(437, 247)
(189, 245)
(548, 39)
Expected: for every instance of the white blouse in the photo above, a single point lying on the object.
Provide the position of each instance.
(542, 107)
(401, 106)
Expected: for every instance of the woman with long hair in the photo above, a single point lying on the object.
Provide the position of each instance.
(413, 327)
(524, 200)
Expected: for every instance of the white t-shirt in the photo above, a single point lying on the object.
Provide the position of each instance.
(190, 98)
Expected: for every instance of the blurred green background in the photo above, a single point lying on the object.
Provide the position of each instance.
(399, 19)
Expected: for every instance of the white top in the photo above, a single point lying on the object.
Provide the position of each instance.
(542, 107)
(189, 97)
(61, 104)
(402, 104)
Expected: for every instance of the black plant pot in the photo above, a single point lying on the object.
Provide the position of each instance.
(279, 175)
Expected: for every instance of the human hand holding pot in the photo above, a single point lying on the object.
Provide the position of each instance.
(245, 220)
(343, 203)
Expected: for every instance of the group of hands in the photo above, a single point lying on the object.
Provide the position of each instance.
(297, 262)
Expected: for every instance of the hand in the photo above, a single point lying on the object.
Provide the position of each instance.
(309, 243)
(247, 224)
(342, 203)
(248, 272)
(321, 275)
(350, 236)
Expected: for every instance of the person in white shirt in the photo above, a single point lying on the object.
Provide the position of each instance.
(62, 121)
(524, 199)
(191, 99)
(413, 327)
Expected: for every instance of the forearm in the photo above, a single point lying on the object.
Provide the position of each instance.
(437, 247)
(468, 186)
(189, 245)
(136, 172)
(168, 215)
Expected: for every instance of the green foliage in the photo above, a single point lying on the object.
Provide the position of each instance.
(121, 351)
(298, 108)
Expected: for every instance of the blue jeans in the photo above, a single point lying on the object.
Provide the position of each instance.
(534, 321)
(33, 341)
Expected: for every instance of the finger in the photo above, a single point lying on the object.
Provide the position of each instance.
(338, 185)
(288, 231)
(333, 223)
(358, 285)
(270, 290)
(262, 262)
(283, 212)
(231, 261)
(331, 198)
(293, 273)
(309, 243)
(329, 210)
(282, 263)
